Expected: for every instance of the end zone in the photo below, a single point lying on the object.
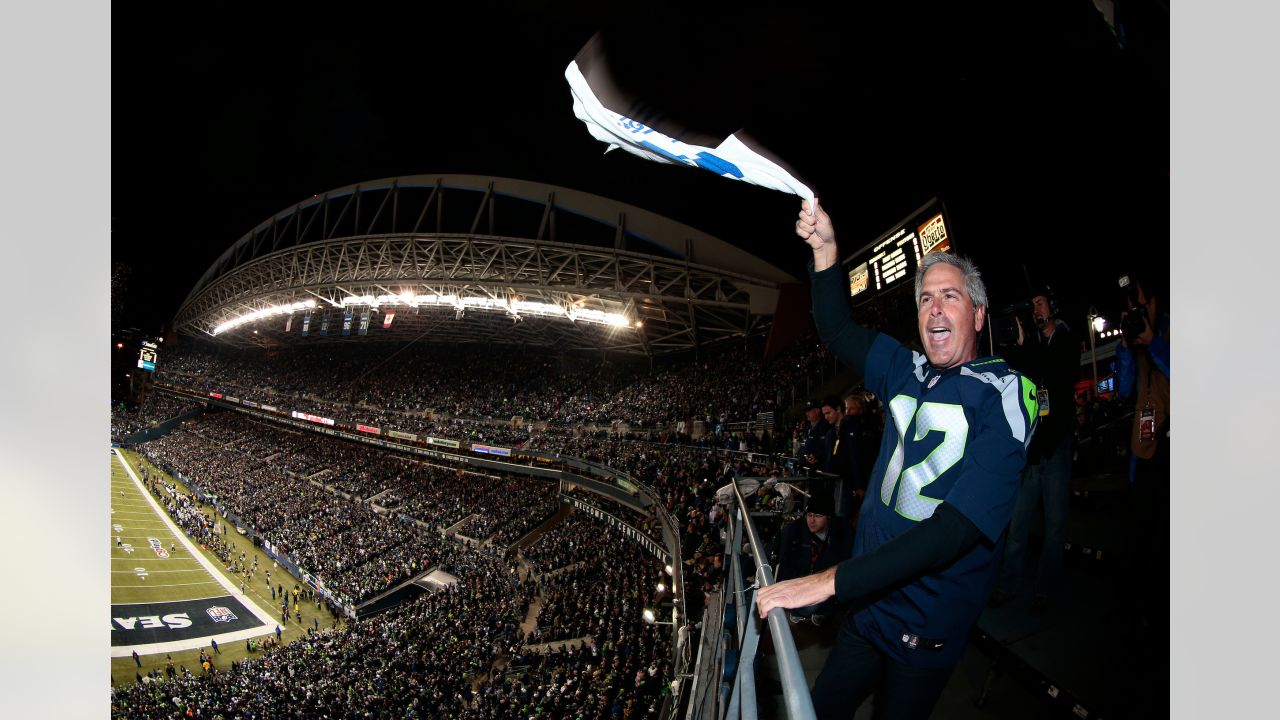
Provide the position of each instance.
(150, 627)
(161, 626)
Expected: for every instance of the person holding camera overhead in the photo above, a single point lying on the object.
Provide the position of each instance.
(1051, 358)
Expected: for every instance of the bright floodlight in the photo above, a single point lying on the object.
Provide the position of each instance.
(662, 588)
(1099, 323)
(670, 570)
(513, 307)
(649, 615)
(264, 312)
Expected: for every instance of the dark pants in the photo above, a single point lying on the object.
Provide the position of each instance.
(856, 668)
(1145, 596)
(1047, 482)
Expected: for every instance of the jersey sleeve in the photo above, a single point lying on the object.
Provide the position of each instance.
(888, 362)
(997, 452)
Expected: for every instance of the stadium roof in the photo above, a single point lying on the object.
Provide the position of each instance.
(469, 258)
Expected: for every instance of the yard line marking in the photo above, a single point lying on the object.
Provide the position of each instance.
(147, 585)
(152, 572)
(210, 597)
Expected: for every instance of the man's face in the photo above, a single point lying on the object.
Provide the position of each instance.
(1040, 310)
(949, 323)
(812, 415)
(817, 523)
(851, 407)
(833, 415)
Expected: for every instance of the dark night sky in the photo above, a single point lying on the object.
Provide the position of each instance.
(1048, 144)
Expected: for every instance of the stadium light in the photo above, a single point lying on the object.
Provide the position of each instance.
(650, 616)
(662, 588)
(264, 312)
(516, 308)
(670, 570)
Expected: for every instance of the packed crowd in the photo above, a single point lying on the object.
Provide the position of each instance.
(156, 407)
(574, 540)
(257, 473)
(600, 597)
(356, 384)
(430, 494)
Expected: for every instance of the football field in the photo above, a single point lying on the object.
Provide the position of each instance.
(170, 595)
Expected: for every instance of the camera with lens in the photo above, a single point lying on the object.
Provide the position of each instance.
(1005, 322)
(1134, 323)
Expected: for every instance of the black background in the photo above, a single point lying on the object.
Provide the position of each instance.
(1047, 142)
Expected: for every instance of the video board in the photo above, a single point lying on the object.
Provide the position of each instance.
(887, 261)
(147, 356)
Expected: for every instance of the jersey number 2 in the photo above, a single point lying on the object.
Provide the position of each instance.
(930, 416)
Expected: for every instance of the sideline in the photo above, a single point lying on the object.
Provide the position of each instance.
(269, 623)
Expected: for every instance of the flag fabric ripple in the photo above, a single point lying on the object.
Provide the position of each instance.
(599, 104)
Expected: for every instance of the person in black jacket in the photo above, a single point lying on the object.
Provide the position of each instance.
(811, 544)
(842, 455)
(1051, 358)
(812, 450)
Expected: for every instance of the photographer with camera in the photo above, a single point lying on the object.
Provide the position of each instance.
(1051, 358)
(1142, 374)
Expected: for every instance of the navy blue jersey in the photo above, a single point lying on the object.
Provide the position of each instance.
(958, 436)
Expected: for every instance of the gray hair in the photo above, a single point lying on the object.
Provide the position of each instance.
(972, 278)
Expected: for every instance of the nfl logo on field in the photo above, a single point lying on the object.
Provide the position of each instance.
(220, 614)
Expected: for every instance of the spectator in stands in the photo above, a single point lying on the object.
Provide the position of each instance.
(867, 434)
(841, 455)
(816, 541)
(813, 449)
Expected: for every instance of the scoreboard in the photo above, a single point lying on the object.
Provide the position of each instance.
(147, 356)
(893, 257)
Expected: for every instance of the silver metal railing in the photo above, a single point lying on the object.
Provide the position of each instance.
(741, 701)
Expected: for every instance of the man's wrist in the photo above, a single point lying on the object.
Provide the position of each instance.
(825, 256)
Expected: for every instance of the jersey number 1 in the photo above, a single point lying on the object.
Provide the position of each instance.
(930, 416)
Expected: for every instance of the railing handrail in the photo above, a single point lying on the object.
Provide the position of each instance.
(795, 688)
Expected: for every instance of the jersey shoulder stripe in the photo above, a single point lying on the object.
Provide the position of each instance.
(1011, 387)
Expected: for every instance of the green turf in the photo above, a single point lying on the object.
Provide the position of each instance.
(180, 576)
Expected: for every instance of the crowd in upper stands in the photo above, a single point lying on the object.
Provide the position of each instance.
(405, 389)
(155, 407)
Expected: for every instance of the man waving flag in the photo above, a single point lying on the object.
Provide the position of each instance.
(611, 118)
